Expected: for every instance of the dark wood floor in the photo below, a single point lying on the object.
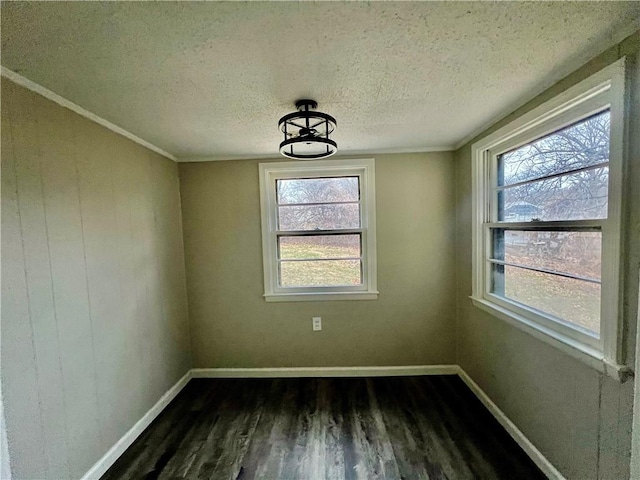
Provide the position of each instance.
(338, 428)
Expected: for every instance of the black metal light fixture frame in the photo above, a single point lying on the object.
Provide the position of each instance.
(307, 128)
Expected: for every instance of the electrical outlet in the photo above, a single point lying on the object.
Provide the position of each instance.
(317, 324)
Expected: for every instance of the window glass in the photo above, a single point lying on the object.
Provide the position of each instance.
(319, 246)
(319, 217)
(578, 146)
(573, 253)
(320, 273)
(318, 190)
(563, 176)
(573, 196)
(572, 301)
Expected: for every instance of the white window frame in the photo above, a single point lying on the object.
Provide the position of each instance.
(605, 88)
(364, 169)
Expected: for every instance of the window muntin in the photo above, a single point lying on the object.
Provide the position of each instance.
(532, 261)
(318, 190)
(317, 247)
(576, 147)
(578, 195)
(575, 303)
(318, 230)
(572, 253)
(320, 273)
(499, 235)
(328, 207)
(557, 273)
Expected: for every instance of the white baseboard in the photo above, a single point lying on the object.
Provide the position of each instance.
(539, 459)
(119, 448)
(128, 438)
(395, 371)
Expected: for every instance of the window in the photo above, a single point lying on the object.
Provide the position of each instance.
(318, 230)
(547, 195)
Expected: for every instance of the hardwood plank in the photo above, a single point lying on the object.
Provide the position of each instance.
(319, 428)
(442, 450)
(409, 446)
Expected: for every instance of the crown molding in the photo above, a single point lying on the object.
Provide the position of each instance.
(342, 154)
(45, 92)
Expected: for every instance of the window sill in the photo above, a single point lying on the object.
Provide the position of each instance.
(577, 350)
(319, 297)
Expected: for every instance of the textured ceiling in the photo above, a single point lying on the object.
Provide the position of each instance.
(211, 79)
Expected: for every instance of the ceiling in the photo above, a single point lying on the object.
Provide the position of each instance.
(209, 80)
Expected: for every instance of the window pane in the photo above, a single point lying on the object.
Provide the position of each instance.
(320, 273)
(580, 145)
(574, 301)
(321, 246)
(577, 196)
(319, 217)
(575, 253)
(318, 190)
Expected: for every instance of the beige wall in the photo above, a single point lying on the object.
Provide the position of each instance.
(579, 419)
(94, 315)
(412, 322)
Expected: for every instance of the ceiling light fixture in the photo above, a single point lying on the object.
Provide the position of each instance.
(306, 133)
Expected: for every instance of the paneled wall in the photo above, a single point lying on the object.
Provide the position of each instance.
(94, 312)
(412, 321)
(578, 418)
